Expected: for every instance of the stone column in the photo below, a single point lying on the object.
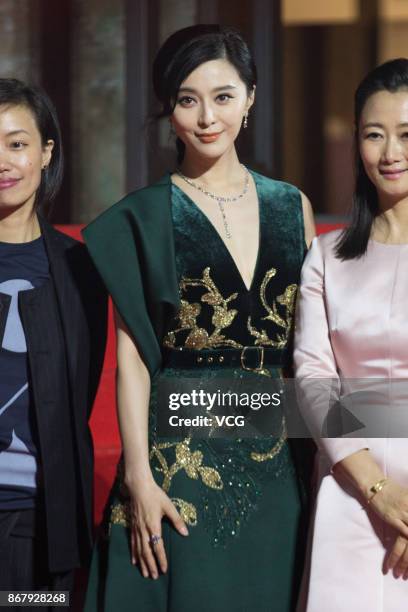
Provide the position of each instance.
(18, 35)
(98, 107)
(174, 15)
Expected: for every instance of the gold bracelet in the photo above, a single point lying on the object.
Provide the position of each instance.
(376, 489)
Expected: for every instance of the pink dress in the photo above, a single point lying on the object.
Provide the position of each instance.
(352, 322)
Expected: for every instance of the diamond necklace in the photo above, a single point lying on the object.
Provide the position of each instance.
(220, 199)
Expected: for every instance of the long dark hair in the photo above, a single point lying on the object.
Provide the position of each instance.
(16, 93)
(187, 49)
(391, 76)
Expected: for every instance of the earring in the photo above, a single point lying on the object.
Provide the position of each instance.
(245, 124)
(172, 130)
(45, 167)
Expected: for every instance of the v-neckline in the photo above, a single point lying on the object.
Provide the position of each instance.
(208, 221)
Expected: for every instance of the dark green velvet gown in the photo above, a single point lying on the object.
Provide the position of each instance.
(240, 499)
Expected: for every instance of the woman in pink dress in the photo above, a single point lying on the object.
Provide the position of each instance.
(352, 331)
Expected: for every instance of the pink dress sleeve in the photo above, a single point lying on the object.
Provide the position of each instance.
(317, 376)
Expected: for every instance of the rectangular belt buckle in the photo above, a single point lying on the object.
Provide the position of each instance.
(261, 353)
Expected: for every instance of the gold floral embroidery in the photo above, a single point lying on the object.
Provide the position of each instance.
(275, 450)
(190, 461)
(280, 312)
(186, 460)
(120, 515)
(282, 319)
(187, 511)
(188, 314)
(223, 316)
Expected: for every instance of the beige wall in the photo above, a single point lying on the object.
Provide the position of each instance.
(392, 40)
(300, 12)
(318, 146)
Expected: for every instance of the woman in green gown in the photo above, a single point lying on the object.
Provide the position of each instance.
(203, 268)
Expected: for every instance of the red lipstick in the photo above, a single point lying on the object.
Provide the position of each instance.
(208, 138)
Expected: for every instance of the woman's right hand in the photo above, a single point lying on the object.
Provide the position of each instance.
(391, 504)
(149, 504)
(397, 558)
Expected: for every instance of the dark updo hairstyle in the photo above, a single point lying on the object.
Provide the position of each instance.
(187, 49)
(391, 76)
(16, 93)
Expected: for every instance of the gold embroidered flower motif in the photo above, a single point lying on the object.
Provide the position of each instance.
(188, 460)
(121, 515)
(185, 459)
(188, 314)
(197, 339)
(275, 450)
(223, 316)
(282, 319)
(187, 511)
(280, 312)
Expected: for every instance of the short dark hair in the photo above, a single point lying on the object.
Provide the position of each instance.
(190, 47)
(391, 76)
(16, 93)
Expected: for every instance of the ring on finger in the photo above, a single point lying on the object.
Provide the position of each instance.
(155, 539)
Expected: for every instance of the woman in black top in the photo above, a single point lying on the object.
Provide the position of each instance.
(52, 334)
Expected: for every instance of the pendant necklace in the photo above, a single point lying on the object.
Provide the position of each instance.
(221, 200)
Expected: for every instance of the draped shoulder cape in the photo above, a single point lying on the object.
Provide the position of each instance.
(132, 247)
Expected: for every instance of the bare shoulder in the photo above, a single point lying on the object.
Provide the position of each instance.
(308, 218)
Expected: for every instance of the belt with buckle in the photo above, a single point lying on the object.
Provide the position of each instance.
(251, 358)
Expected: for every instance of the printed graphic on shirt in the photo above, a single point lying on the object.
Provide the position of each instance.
(18, 465)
